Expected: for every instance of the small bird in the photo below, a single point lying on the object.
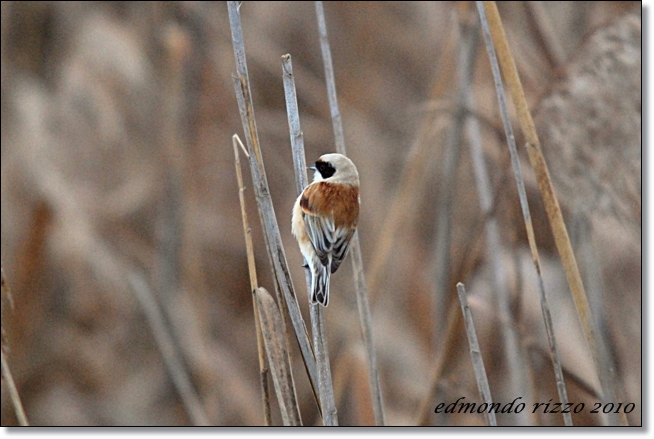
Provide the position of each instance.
(324, 219)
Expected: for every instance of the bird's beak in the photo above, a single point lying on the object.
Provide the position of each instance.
(312, 167)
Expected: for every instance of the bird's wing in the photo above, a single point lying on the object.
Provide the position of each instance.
(321, 234)
(327, 236)
(342, 240)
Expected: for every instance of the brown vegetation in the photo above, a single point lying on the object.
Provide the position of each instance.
(122, 237)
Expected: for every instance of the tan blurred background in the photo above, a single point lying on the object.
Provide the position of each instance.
(118, 184)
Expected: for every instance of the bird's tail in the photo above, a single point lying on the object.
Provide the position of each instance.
(320, 285)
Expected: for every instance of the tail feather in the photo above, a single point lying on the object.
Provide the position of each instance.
(320, 285)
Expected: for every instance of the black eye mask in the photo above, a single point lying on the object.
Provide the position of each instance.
(325, 169)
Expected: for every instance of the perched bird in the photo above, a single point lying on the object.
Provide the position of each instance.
(324, 219)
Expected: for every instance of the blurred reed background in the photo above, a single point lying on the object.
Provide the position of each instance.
(122, 236)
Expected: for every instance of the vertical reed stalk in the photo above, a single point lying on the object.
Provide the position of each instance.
(355, 247)
(605, 371)
(252, 270)
(6, 372)
(515, 161)
(325, 385)
(537, 160)
(13, 392)
(475, 353)
(275, 249)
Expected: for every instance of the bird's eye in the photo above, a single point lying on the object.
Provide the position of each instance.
(325, 169)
